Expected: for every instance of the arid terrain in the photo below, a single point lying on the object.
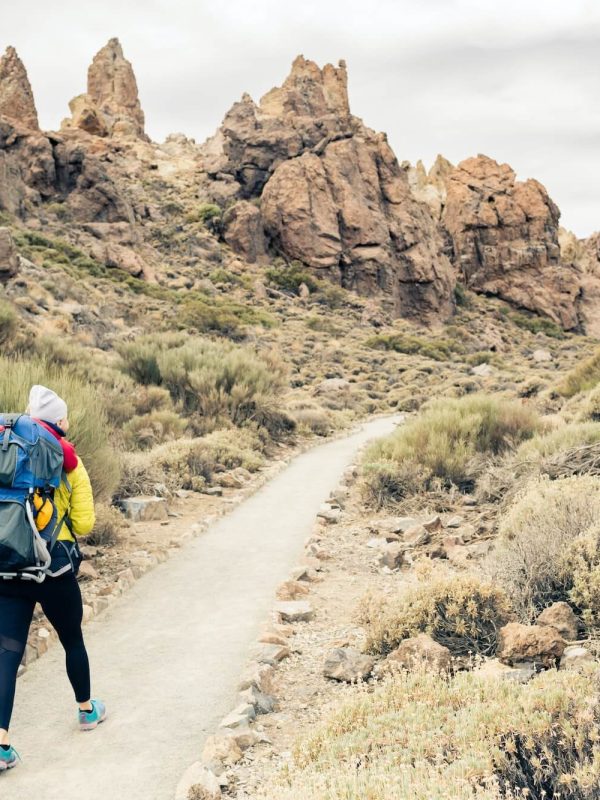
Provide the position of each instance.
(210, 310)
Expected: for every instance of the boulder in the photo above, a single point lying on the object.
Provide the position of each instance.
(348, 665)
(496, 670)
(417, 536)
(294, 610)
(562, 618)
(392, 555)
(16, 98)
(220, 751)
(541, 356)
(9, 258)
(241, 715)
(145, 509)
(272, 654)
(420, 649)
(198, 783)
(243, 231)
(576, 657)
(538, 644)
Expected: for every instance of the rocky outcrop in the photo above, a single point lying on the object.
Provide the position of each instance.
(585, 255)
(310, 107)
(333, 195)
(348, 213)
(111, 106)
(16, 98)
(504, 235)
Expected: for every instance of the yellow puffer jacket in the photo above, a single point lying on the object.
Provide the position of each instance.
(78, 504)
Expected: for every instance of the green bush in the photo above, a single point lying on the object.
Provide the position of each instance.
(535, 324)
(443, 442)
(461, 612)
(90, 431)
(205, 213)
(290, 278)
(436, 349)
(540, 526)
(583, 377)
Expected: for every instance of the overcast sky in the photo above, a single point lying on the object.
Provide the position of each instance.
(518, 80)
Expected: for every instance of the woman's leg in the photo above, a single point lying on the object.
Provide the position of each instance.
(61, 602)
(16, 611)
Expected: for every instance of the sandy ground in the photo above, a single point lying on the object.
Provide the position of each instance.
(167, 655)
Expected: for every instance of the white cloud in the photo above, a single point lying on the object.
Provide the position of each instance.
(518, 81)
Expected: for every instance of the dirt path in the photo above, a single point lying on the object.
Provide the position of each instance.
(166, 657)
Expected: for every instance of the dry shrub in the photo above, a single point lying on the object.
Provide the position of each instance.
(444, 443)
(426, 737)
(461, 612)
(90, 430)
(583, 377)
(582, 564)
(144, 432)
(536, 532)
(189, 463)
(108, 527)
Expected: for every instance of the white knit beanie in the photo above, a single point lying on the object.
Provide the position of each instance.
(46, 404)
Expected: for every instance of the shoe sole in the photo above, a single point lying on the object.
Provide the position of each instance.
(90, 726)
(4, 766)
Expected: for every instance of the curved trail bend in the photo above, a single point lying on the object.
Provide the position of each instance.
(166, 657)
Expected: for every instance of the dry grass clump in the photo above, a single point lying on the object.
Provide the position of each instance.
(425, 737)
(90, 430)
(535, 536)
(583, 377)
(461, 612)
(108, 527)
(443, 443)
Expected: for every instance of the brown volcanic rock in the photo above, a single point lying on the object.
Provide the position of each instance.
(16, 98)
(505, 239)
(349, 213)
(541, 644)
(111, 106)
(243, 231)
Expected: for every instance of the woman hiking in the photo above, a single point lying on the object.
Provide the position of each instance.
(59, 594)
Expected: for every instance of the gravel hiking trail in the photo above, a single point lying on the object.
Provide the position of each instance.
(167, 655)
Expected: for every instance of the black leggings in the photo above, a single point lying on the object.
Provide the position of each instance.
(60, 599)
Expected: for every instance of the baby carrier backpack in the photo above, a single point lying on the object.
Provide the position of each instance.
(31, 468)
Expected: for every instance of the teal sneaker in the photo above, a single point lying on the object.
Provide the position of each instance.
(88, 720)
(8, 758)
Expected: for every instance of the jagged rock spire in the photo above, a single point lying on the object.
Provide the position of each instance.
(16, 98)
(111, 106)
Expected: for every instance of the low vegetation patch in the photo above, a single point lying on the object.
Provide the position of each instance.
(460, 612)
(443, 443)
(436, 349)
(426, 737)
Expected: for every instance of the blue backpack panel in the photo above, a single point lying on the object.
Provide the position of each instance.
(31, 459)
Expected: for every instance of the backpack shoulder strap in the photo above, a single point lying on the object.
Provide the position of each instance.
(9, 423)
